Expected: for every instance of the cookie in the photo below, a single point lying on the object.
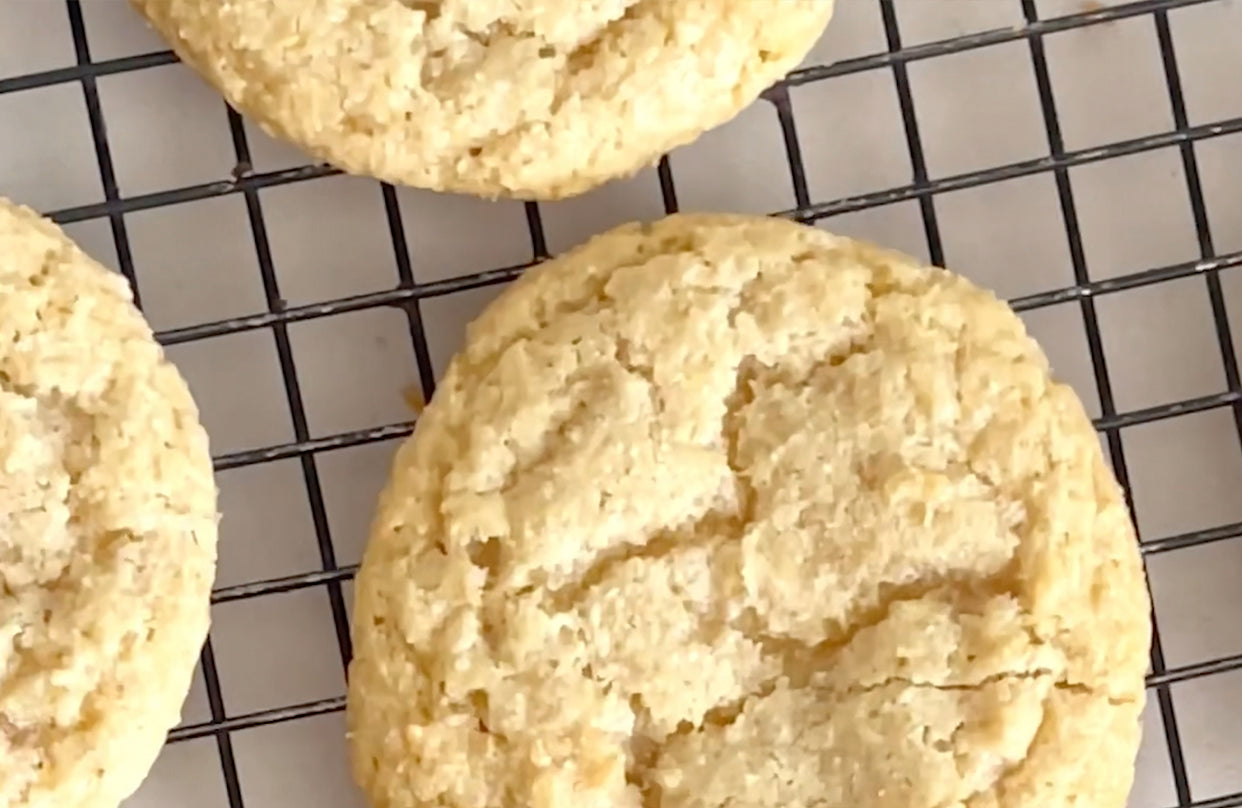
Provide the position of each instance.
(730, 511)
(537, 99)
(107, 528)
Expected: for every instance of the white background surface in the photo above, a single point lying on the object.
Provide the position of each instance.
(196, 263)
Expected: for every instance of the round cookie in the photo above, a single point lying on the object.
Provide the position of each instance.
(107, 528)
(532, 99)
(730, 511)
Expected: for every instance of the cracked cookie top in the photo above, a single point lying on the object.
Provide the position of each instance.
(730, 511)
(518, 98)
(107, 528)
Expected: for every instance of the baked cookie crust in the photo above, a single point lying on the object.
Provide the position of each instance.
(537, 99)
(107, 528)
(731, 511)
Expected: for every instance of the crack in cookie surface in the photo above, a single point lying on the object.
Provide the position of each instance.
(817, 509)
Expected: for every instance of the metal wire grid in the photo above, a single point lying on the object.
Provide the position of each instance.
(408, 292)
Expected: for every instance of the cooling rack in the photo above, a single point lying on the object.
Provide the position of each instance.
(1084, 159)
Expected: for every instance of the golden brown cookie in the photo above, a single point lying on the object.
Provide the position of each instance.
(730, 511)
(107, 528)
(523, 98)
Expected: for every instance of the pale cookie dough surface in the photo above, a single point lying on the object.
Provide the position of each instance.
(522, 98)
(734, 512)
(107, 528)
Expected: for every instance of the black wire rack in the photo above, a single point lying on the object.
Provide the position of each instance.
(407, 294)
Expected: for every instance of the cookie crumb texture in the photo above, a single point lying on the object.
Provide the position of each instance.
(517, 98)
(729, 511)
(107, 528)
